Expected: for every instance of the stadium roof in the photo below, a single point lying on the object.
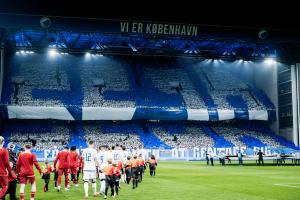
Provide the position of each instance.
(85, 31)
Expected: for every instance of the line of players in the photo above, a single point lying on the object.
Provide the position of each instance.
(111, 165)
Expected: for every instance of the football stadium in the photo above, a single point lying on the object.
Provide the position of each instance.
(133, 109)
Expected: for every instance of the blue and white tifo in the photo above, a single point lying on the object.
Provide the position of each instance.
(92, 87)
(174, 90)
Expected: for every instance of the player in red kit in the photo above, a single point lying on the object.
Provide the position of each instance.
(80, 167)
(74, 163)
(5, 169)
(24, 167)
(63, 158)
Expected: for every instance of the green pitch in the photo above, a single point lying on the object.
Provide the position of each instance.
(195, 180)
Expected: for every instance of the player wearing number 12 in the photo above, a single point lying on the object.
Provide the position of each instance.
(90, 161)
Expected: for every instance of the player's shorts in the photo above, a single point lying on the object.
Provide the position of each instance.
(142, 169)
(118, 178)
(88, 175)
(26, 179)
(135, 172)
(63, 171)
(73, 170)
(152, 166)
(102, 176)
(128, 172)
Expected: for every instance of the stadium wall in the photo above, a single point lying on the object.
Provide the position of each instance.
(295, 77)
(287, 133)
(265, 78)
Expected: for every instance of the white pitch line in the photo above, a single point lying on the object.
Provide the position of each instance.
(292, 185)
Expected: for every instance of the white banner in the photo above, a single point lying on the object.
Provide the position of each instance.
(258, 115)
(102, 113)
(226, 114)
(41, 112)
(198, 114)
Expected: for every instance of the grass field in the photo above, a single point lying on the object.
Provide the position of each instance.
(195, 180)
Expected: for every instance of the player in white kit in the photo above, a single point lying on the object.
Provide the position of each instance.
(102, 157)
(123, 155)
(109, 153)
(115, 153)
(90, 161)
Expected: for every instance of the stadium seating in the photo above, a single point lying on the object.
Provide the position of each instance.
(219, 141)
(135, 135)
(251, 141)
(181, 135)
(263, 128)
(150, 139)
(243, 137)
(114, 133)
(41, 134)
(126, 83)
(178, 86)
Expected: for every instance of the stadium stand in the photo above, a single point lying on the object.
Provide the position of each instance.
(136, 135)
(114, 133)
(75, 83)
(182, 135)
(263, 129)
(119, 83)
(150, 139)
(219, 141)
(41, 134)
